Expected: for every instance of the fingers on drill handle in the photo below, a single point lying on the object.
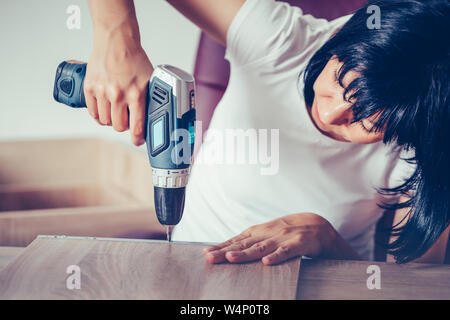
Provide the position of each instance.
(104, 111)
(137, 119)
(119, 117)
(91, 104)
(116, 113)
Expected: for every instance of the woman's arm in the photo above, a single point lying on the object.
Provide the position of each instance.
(436, 254)
(119, 70)
(276, 241)
(212, 16)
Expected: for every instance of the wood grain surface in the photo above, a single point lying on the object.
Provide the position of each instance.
(8, 254)
(338, 279)
(118, 269)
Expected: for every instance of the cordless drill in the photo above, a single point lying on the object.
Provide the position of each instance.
(170, 120)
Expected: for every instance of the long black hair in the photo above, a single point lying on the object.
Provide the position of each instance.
(403, 75)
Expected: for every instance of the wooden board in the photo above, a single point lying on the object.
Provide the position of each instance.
(8, 254)
(339, 279)
(139, 269)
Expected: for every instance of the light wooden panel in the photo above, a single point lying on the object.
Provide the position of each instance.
(8, 254)
(339, 279)
(112, 269)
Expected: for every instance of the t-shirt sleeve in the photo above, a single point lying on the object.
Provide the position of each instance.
(264, 29)
(402, 170)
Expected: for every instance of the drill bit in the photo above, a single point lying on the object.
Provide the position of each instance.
(169, 233)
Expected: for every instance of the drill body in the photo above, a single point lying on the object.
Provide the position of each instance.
(170, 126)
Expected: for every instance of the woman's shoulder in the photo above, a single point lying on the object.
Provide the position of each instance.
(267, 31)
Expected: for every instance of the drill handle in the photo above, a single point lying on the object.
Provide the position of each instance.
(69, 81)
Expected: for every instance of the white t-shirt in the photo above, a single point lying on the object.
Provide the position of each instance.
(268, 46)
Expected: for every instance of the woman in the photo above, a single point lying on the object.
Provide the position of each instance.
(346, 101)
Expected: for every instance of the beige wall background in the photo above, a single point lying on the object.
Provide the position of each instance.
(35, 39)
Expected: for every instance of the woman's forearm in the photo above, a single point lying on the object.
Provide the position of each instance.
(278, 240)
(114, 21)
(118, 69)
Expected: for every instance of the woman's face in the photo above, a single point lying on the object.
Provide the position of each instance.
(332, 115)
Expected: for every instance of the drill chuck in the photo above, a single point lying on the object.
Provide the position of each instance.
(169, 205)
(169, 191)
